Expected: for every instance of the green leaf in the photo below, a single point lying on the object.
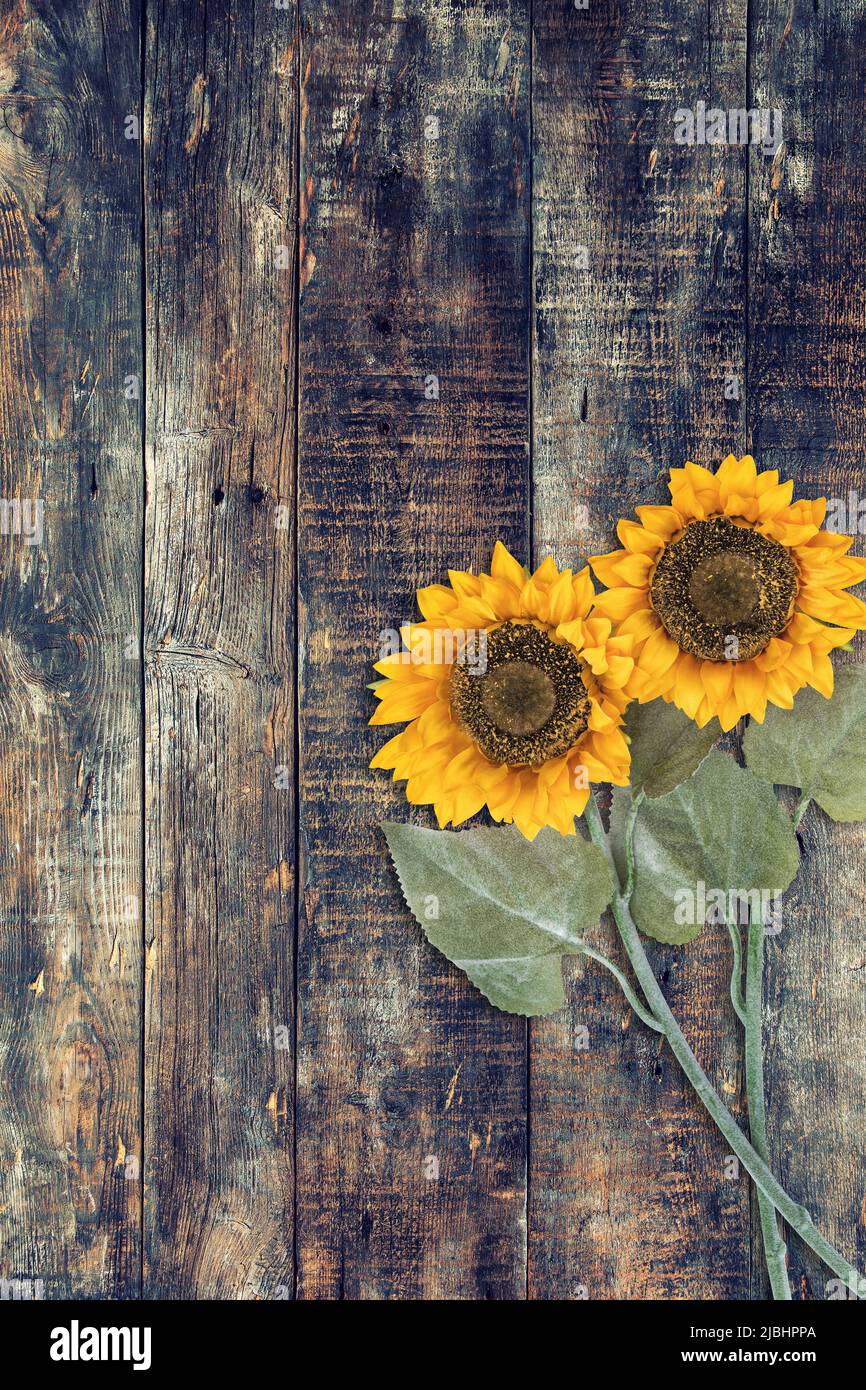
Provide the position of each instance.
(720, 833)
(666, 746)
(817, 746)
(501, 908)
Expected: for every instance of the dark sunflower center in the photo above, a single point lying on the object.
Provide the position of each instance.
(530, 704)
(724, 588)
(724, 591)
(518, 698)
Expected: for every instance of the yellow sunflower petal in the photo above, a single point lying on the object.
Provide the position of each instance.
(573, 632)
(736, 477)
(821, 678)
(604, 566)
(640, 625)
(622, 568)
(637, 539)
(717, 679)
(781, 689)
(504, 566)
(436, 602)
(547, 572)
(597, 629)
(561, 606)
(730, 713)
(705, 712)
(467, 801)
(436, 756)
(401, 703)
(663, 522)
(617, 604)
(464, 583)
(748, 686)
(659, 653)
(584, 591)
(688, 686)
(619, 669)
(502, 596)
(774, 499)
(840, 608)
(775, 654)
(686, 499)
(389, 754)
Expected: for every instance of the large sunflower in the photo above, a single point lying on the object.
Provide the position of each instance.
(514, 697)
(734, 596)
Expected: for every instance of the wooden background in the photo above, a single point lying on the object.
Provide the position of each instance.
(233, 252)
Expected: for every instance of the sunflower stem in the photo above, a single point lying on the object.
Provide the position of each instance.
(643, 1013)
(796, 1216)
(737, 999)
(775, 1250)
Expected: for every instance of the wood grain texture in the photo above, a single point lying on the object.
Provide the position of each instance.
(415, 263)
(301, 306)
(639, 317)
(221, 179)
(807, 417)
(70, 717)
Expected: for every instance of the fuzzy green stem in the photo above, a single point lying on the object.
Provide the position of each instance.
(737, 999)
(796, 1216)
(643, 1014)
(775, 1249)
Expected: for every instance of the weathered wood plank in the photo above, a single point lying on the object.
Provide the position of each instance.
(70, 862)
(221, 175)
(415, 266)
(807, 417)
(639, 303)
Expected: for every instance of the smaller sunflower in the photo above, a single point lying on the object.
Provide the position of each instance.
(734, 595)
(513, 694)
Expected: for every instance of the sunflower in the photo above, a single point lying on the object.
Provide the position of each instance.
(513, 694)
(734, 595)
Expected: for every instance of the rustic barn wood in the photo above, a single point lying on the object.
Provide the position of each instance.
(220, 213)
(413, 458)
(639, 321)
(70, 707)
(807, 417)
(302, 305)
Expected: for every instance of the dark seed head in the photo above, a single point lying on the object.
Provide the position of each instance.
(518, 698)
(530, 704)
(724, 588)
(720, 581)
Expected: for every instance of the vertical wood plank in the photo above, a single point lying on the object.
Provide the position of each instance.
(807, 417)
(221, 177)
(414, 265)
(639, 318)
(70, 862)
